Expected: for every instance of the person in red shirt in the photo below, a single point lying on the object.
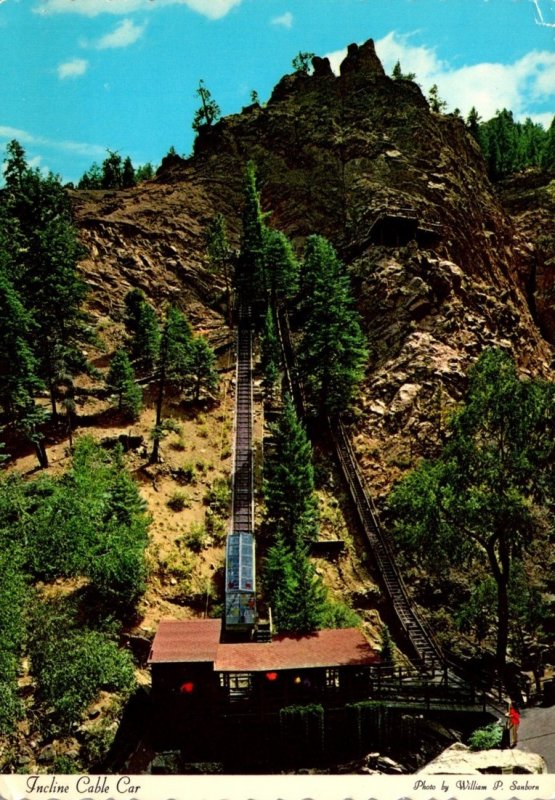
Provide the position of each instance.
(513, 721)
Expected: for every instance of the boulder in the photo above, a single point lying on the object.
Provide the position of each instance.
(458, 759)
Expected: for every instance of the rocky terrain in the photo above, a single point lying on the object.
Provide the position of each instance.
(332, 154)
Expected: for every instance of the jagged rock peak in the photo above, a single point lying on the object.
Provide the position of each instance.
(363, 60)
(322, 67)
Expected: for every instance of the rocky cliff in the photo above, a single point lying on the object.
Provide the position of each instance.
(439, 268)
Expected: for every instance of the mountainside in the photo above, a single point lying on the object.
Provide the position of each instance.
(335, 155)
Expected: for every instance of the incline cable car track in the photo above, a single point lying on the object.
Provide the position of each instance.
(240, 578)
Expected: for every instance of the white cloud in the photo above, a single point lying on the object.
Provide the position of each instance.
(72, 69)
(24, 137)
(213, 9)
(489, 87)
(124, 34)
(286, 20)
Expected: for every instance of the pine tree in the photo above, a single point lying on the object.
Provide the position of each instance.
(252, 274)
(548, 154)
(209, 111)
(112, 171)
(174, 364)
(332, 353)
(121, 381)
(204, 374)
(220, 254)
(270, 355)
(128, 178)
(280, 265)
(436, 103)
(280, 583)
(473, 123)
(398, 75)
(310, 593)
(145, 344)
(291, 503)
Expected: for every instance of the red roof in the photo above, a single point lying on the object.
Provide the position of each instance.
(327, 648)
(199, 641)
(186, 640)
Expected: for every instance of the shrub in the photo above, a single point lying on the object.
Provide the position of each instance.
(186, 473)
(178, 501)
(487, 738)
(218, 497)
(197, 537)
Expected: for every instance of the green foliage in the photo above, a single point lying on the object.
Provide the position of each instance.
(302, 62)
(548, 153)
(270, 352)
(143, 328)
(179, 500)
(112, 171)
(296, 594)
(333, 352)
(486, 738)
(252, 272)
(121, 381)
(291, 503)
(202, 366)
(196, 537)
(89, 522)
(13, 597)
(218, 497)
(71, 665)
(280, 264)
(477, 502)
(510, 146)
(209, 111)
(387, 652)
(398, 74)
(115, 173)
(41, 287)
(220, 254)
(436, 103)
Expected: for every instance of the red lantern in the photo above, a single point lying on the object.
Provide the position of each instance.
(187, 688)
(271, 676)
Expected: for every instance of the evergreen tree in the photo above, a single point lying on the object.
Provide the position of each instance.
(473, 123)
(209, 111)
(112, 171)
(270, 355)
(280, 583)
(310, 593)
(252, 272)
(145, 331)
(281, 266)
(220, 254)
(92, 178)
(398, 74)
(548, 154)
(42, 254)
(204, 374)
(128, 178)
(145, 172)
(332, 353)
(436, 103)
(291, 503)
(174, 364)
(121, 381)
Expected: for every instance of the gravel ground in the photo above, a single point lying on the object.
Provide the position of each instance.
(537, 733)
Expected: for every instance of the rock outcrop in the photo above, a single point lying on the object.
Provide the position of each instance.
(458, 759)
(439, 270)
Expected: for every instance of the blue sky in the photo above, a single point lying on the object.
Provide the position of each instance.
(81, 76)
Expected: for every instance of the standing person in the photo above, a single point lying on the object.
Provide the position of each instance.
(513, 721)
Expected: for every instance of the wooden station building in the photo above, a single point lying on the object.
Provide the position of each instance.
(198, 679)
